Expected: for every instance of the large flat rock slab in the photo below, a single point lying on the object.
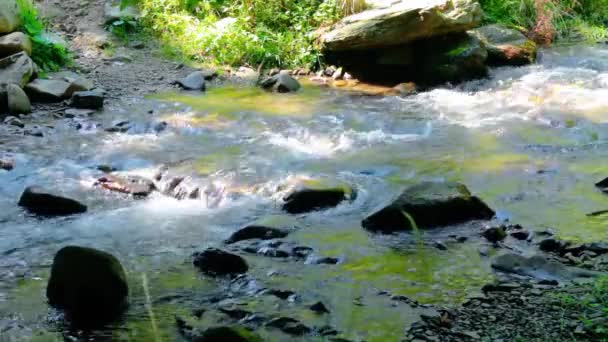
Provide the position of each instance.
(402, 23)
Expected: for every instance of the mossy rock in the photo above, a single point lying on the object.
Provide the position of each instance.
(428, 205)
(506, 46)
(89, 285)
(9, 16)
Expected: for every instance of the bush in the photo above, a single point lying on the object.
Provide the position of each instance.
(47, 53)
(278, 33)
(546, 20)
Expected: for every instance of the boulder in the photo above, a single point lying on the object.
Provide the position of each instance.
(10, 18)
(216, 262)
(88, 284)
(281, 83)
(194, 81)
(427, 205)
(14, 43)
(402, 23)
(305, 199)
(256, 232)
(16, 100)
(538, 267)
(451, 58)
(48, 90)
(132, 185)
(506, 46)
(77, 81)
(247, 75)
(92, 99)
(7, 164)
(17, 69)
(226, 334)
(39, 201)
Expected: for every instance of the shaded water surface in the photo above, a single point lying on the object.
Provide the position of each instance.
(530, 141)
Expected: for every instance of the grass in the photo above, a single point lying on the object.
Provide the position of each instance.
(49, 54)
(593, 308)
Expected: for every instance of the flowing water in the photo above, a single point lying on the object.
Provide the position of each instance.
(530, 141)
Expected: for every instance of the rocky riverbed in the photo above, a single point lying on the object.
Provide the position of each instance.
(204, 207)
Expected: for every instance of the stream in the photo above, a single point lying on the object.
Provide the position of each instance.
(530, 141)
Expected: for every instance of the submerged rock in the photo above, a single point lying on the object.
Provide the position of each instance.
(428, 205)
(14, 43)
(538, 267)
(226, 334)
(319, 307)
(7, 164)
(257, 232)
(305, 200)
(403, 22)
(281, 83)
(289, 326)
(88, 284)
(506, 46)
(216, 262)
(603, 185)
(132, 185)
(39, 201)
(194, 81)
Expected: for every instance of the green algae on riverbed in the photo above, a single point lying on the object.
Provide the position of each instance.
(230, 99)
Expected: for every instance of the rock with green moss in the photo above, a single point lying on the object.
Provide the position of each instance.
(226, 334)
(18, 69)
(89, 285)
(402, 22)
(428, 205)
(16, 100)
(10, 18)
(506, 46)
(14, 43)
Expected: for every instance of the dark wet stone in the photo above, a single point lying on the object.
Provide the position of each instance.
(500, 287)
(520, 234)
(538, 267)
(301, 251)
(198, 313)
(440, 246)
(551, 245)
(226, 334)
(281, 83)
(307, 200)
(7, 164)
(132, 185)
(282, 294)
(319, 307)
(216, 262)
(495, 234)
(327, 330)
(194, 81)
(257, 232)
(92, 99)
(429, 204)
(120, 127)
(603, 185)
(289, 326)
(106, 168)
(326, 261)
(88, 284)
(235, 313)
(39, 201)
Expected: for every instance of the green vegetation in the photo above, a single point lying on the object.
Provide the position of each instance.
(593, 306)
(548, 20)
(274, 32)
(49, 54)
